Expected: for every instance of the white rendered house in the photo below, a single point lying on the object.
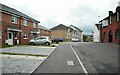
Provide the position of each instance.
(96, 35)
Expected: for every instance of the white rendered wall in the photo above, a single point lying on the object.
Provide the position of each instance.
(96, 35)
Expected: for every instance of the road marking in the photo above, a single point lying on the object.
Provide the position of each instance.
(70, 63)
(83, 67)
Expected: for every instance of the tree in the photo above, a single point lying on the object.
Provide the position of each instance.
(84, 38)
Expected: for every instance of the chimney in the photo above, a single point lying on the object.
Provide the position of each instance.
(118, 8)
(110, 13)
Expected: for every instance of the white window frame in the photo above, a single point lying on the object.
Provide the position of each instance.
(25, 22)
(106, 22)
(34, 24)
(38, 30)
(25, 36)
(14, 19)
(118, 16)
(43, 31)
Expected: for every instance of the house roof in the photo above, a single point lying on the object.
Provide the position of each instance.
(42, 27)
(60, 27)
(13, 11)
(117, 10)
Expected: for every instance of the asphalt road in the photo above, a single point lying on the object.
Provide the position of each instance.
(95, 58)
(102, 57)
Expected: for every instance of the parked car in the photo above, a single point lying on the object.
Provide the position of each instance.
(40, 40)
(75, 40)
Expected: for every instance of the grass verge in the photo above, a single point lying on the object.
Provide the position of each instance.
(37, 55)
(5, 46)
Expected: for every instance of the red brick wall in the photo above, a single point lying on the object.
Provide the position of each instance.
(113, 27)
(27, 29)
(7, 21)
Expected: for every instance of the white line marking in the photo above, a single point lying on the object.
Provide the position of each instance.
(70, 63)
(84, 69)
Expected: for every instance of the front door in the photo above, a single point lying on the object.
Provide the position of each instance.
(10, 38)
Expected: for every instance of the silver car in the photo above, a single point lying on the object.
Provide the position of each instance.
(40, 40)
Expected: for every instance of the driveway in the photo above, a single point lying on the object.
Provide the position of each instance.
(29, 50)
(23, 63)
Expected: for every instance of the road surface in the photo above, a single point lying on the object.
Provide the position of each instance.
(82, 58)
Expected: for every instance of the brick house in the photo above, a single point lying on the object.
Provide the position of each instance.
(44, 31)
(16, 27)
(59, 32)
(110, 31)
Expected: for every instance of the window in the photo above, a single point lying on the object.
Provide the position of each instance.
(34, 25)
(16, 34)
(118, 16)
(117, 34)
(43, 38)
(25, 36)
(43, 31)
(14, 19)
(38, 30)
(25, 23)
(110, 19)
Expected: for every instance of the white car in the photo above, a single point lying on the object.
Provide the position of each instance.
(40, 40)
(74, 40)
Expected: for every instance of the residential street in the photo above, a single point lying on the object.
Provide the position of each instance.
(65, 37)
(81, 58)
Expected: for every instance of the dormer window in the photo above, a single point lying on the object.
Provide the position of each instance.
(14, 19)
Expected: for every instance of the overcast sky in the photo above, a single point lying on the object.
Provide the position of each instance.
(80, 13)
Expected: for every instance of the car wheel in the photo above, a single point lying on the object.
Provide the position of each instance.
(32, 43)
(47, 43)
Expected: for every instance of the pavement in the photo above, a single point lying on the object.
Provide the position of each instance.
(23, 63)
(85, 58)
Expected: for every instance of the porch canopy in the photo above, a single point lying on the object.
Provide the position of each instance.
(34, 32)
(11, 28)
